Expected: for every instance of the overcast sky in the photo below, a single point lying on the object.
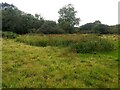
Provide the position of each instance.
(88, 10)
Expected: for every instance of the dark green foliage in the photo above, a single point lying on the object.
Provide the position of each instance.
(10, 17)
(50, 27)
(14, 20)
(101, 29)
(97, 22)
(67, 19)
(10, 35)
(95, 27)
(17, 21)
(87, 28)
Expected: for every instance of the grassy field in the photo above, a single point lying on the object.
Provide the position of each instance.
(28, 65)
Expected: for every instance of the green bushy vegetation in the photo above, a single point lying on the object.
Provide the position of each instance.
(98, 28)
(81, 44)
(10, 35)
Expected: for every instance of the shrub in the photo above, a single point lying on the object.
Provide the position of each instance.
(50, 27)
(10, 35)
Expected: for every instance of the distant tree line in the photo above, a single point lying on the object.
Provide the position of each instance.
(99, 28)
(17, 21)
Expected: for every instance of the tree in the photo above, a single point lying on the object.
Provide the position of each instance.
(17, 21)
(97, 22)
(67, 19)
(96, 27)
(37, 16)
(10, 17)
(87, 28)
(50, 27)
(100, 28)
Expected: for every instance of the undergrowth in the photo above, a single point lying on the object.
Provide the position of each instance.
(77, 43)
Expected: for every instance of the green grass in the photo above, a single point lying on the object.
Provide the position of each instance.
(79, 43)
(57, 67)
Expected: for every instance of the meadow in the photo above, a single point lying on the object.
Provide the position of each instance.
(60, 61)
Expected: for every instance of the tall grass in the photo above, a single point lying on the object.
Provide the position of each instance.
(44, 40)
(93, 44)
(78, 43)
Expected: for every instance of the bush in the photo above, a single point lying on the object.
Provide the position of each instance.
(92, 45)
(101, 29)
(50, 27)
(10, 35)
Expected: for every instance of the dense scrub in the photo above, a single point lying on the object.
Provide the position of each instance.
(79, 43)
(9, 35)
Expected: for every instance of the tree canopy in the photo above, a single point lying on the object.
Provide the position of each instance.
(96, 27)
(17, 21)
(67, 19)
